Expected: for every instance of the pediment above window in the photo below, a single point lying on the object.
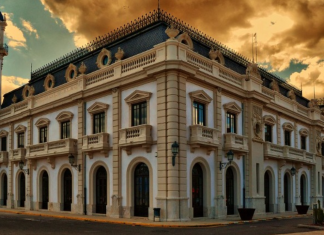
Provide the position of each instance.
(200, 96)
(3, 133)
(185, 39)
(303, 132)
(98, 107)
(138, 96)
(64, 116)
(268, 119)
(232, 107)
(20, 128)
(42, 122)
(288, 126)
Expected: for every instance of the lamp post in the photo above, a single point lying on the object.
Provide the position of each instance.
(21, 166)
(72, 162)
(230, 157)
(293, 171)
(175, 151)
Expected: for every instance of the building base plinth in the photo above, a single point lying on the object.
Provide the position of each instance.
(173, 209)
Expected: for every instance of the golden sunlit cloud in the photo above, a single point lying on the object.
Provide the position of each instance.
(28, 26)
(14, 35)
(10, 83)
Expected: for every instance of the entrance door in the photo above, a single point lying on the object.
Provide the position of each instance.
(141, 190)
(101, 190)
(67, 190)
(286, 192)
(45, 190)
(197, 191)
(230, 191)
(303, 190)
(267, 191)
(4, 190)
(22, 190)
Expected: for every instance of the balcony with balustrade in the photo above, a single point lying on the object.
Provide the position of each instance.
(17, 155)
(4, 157)
(203, 137)
(287, 153)
(236, 143)
(52, 149)
(96, 143)
(136, 136)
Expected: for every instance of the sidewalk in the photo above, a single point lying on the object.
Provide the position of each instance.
(140, 221)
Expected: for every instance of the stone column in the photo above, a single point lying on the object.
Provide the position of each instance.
(281, 202)
(115, 210)
(10, 199)
(220, 204)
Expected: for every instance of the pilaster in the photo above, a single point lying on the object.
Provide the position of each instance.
(10, 198)
(78, 208)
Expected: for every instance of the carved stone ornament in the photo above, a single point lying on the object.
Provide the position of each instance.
(291, 95)
(216, 55)
(104, 58)
(252, 70)
(71, 73)
(119, 54)
(49, 82)
(257, 119)
(185, 39)
(313, 103)
(14, 99)
(82, 68)
(274, 86)
(27, 91)
(318, 143)
(172, 32)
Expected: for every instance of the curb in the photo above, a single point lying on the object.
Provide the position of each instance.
(310, 226)
(225, 223)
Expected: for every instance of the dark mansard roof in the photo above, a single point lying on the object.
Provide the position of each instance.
(1, 17)
(134, 38)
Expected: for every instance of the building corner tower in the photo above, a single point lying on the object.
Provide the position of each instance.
(3, 48)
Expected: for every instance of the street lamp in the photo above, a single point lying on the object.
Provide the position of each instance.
(230, 157)
(175, 151)
(21, 166)
(72, 162)
(293, 171)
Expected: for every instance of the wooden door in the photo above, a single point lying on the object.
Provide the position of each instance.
(197, 191)
(230, 191)
(67, 190)
(141, 190)
(101, 190)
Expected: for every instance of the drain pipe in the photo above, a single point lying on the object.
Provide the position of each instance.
(85, 160)
(243, 157)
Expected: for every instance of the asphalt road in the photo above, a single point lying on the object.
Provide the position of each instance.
(24, 224)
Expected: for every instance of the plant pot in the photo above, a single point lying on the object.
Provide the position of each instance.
(302, 209)
(246, 213)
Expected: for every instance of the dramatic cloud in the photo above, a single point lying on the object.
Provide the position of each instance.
(10, 83)
(14, 34)
(286, 29)
(28, 26)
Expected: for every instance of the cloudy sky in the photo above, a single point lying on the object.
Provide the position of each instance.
(290, 33)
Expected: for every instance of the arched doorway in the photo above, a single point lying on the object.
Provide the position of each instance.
(303, 197)
(45, 190)
(22, 190)
(197, 191)
(101, 190)
(287, 192)
(141, 190)
(230, 191)
(67, 190)
(267, 190)
(4, 190)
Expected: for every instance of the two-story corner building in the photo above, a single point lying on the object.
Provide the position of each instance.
(96, 130)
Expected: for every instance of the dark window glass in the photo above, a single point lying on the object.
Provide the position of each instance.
(43, 134)
(21, 137)
(4, 144)
(303, 142)
(287, 138)
(268, 133)
(65, 130)
(322, 148)
(139, 115)
(199, 114)
(230, 123)
(98, 122)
